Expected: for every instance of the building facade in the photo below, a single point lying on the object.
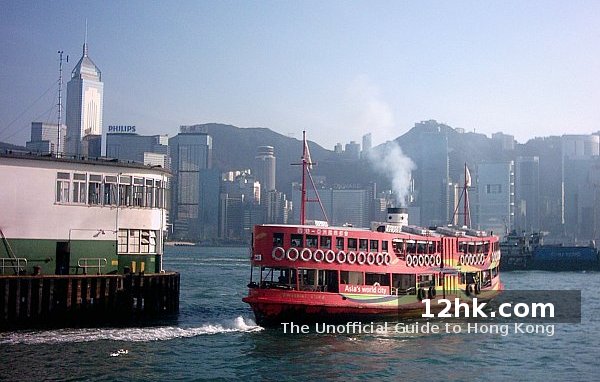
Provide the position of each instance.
(150, 150)
(495, 197)
(45, 138)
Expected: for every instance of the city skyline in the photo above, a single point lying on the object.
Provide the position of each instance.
(332, 69)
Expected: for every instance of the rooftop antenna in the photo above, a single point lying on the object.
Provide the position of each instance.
(85, 39)
(60, 83)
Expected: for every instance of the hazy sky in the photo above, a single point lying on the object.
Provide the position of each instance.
(338, 69)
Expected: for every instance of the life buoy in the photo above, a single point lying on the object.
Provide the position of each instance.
(421, 294)
(477, 288)
(379, 258)
(426, 261)
(409, 260)
(304, 252)
(328, 258)
(387, 258)
(277, 250)
(351, 258)
(461, 259)
(421, 260)
(341, 257)
(320, 254)
(431, 293)
(438, 260)
(292, 254)
(361, 258)
(376, 284)
(370, 258)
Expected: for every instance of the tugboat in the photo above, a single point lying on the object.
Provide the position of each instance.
(315, 272)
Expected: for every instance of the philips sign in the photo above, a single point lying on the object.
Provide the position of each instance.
(121, 129)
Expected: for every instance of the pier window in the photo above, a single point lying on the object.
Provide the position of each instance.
(63, 180)
(122, 241)
(110, 190)
(95, 190)
(134, 241)
(124, 190)
(312, 241)
(363, 244)
(352, 244)
(149, 193)
(138, 192)
(339, 243)
(145, 241)
(326, 242)
(296, 240)
(374, 247)
(79, 190)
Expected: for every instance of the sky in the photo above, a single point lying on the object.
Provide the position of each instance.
(337, 69)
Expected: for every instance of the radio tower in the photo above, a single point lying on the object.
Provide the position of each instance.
(60, 82)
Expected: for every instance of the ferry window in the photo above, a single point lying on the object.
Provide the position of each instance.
(352, 244)
(122, 241)
(312, 241)
(461, 247)
(486, 247)
(398, 246)
(425, 281)
(308, 279)
(138, 192)
(149, 193)
(384, 245)
(278, 239)
(94, 189)
(326, 242)
(296, 240)
(363, 244)
(355, 278)
(110, 190)
(421, 247)
(339, 243)
(79, 190)
(374, 245)
(382, 279)
(411, 246)
(62, 187)
(430, 247)
(134, 241)
(404, 283)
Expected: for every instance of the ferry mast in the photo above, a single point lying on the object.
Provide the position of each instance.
(307, 164)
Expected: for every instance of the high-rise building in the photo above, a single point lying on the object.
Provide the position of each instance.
(191, 152)
(352, 151)
(432, 178)
(367, 144)
(495, 191)
(527, 194)
(147, 149)
(85, 92)
(44, 137)
(264, 168)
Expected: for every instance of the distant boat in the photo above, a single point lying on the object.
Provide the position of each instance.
(180, 244)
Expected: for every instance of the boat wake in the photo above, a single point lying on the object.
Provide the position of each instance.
(163, 333)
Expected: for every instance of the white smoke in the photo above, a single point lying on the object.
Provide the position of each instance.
(391, 162)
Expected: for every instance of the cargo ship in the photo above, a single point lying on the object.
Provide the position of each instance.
(309, 272)
(527, 252)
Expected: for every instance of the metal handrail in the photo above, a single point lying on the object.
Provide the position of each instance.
(84, 263)
(15, 267)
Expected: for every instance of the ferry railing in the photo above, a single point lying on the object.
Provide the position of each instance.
(21, 264)
(96, 263)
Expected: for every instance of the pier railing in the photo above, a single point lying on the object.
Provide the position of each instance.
(15, 263)
(86, 263)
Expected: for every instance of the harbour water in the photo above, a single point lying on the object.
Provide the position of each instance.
(214, 337)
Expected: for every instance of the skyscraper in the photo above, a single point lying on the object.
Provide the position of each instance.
(44, 137)
(84, 108)
(265, 168)
(191, 152)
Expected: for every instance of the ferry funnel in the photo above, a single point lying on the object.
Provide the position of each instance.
(397, 216)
